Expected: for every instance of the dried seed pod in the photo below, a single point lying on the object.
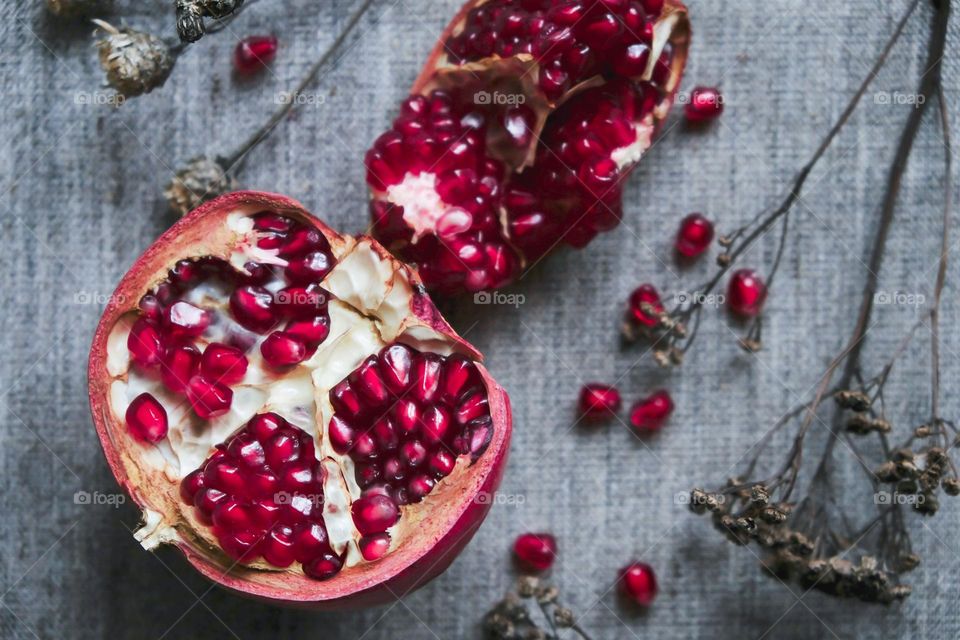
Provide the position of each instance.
(853, 400)
(203, 179)
(135, 62)
(951, 486)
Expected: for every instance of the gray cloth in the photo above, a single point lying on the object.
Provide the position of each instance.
(80, 199)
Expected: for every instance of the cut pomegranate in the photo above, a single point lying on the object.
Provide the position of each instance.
(746, 293)
(694, 236)
(295, 467)
(599, 401)
(253, 53)
(706, 103)
(520, 130)
(638, 582)
(535, 551)
(650, 413)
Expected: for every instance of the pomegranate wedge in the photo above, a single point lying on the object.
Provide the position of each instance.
(287, 406)
(519, 132)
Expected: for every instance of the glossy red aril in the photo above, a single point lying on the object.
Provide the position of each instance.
(535, 551)
(706, 103)
(599, 401)
(147, 419)
(694, 236)
(746, 293)
(638, 582)
(207, 349)
(520, 131)
(650, 413)
(253, 53)
(644, 306)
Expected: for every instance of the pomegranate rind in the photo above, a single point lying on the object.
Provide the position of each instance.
(445, 521)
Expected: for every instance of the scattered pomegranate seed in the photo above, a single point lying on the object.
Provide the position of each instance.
(599, 401)
(535, 551)
(694, 236)
(650, 413)
(746, 293)
(644, 294)
(706, 103)
(147, 419)
(639, 583)
(253, 53)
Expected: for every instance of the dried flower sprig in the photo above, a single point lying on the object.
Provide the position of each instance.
(532, 612)
(137, 62)
(191, 14)
(206, 177)
(676, 329)
(802, 526)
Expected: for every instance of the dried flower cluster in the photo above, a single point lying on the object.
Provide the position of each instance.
(135, 62)
(532, 612)
(806, 523)
(191, 14)
(204, 178)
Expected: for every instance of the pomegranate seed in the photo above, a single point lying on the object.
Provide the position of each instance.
(208, 399)
(746, 293)
(535, 551)
(374, 514)
(442, 463)
(303, 302)
(650, 413)
(313, 267)
(435, 423)
(419, 486)
(253, 308)
(645, 296)
(706, 103)
(185, 319)
(599, 401)
(145, 344)
(180, 364)
(374, 547)
(191, 485)
(345, 400)
(426, 377)
(277, 548)
(302, 241)
(147, 419)
(281, 349)
(310, 332)
(221, 363)
(341, 435)
(694, 236)
(639, 583)
(324, 567)
(396, 362)
(265, 425)
(253, 53)
(368, 381)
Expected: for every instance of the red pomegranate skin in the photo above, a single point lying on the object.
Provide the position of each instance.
(444, 531)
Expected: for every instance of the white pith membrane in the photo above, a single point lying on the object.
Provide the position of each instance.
(369, 309)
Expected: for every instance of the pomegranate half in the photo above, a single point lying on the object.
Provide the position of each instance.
(519, 132)
(287, 406)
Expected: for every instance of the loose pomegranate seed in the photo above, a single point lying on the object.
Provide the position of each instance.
(535, 551)
(694, 236)
(281, 349)
(147, 419)
(650, 413)
(644, 305)
(262, 491)
(599, 401)
(639, 583)
(746, 293)
(706, 103)
(254, 53)
(209, 399)
(223, 364)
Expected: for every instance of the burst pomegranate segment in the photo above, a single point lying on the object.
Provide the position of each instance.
(288, 407)
(521, 128)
